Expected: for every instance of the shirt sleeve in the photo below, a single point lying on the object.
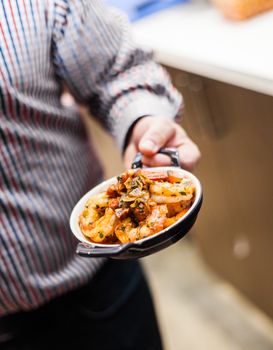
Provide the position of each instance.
(94, 54)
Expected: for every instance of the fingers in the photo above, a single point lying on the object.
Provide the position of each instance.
(170, 135)
(156, 136)
(189, 155)
(150, 134)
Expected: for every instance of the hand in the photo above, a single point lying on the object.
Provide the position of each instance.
(151, 133)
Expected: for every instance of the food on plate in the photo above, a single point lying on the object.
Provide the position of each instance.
(140, 204)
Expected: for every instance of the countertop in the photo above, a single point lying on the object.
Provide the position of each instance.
(196, 38)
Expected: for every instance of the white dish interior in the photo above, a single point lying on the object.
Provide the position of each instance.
(79, 207)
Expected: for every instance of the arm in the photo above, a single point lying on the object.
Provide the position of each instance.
(94, 55)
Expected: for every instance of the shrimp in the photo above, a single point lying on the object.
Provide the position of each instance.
(103, 228)
(175, 208)
(154, 222)
(140, 204)
(166, 192)
(100, 200)
(173, 219)
(88, 217)
(127, 232)
(93, 210)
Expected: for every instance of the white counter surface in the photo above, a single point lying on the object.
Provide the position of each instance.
(196, 38)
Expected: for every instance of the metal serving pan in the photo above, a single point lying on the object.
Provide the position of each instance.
(148, 245)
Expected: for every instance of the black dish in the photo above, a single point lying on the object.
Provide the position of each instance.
(148, 245)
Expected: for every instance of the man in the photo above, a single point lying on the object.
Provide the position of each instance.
(49, 297)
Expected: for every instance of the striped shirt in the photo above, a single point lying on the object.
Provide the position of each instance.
(46, 162)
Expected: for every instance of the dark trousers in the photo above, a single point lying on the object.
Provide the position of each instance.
(113, 312)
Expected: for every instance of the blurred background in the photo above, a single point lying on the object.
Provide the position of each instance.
(214, 289)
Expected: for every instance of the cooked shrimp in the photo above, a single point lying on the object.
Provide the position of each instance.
(166, 192)
(140, 204)
(173, 219)
(88, 217)
(127, 232)
(93, 210)
(175, 208)
(123, 230)
(153, 223)
(100, 200)
(156, 219)
(103, 228)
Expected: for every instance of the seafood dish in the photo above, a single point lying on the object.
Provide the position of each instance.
(138, 205)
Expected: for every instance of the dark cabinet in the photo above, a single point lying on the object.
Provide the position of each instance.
(234, 129)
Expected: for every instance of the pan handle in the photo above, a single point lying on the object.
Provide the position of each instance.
(171, 152)
(86, 250)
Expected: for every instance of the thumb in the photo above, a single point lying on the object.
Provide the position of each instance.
(156, 136)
